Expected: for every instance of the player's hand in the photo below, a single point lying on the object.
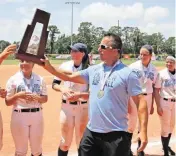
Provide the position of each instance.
(23, 95)
(11, 49)
(3, 93)
(69, 95)
(152, 110)
(47, 65)
(32, 97)
(74, 96)
(159, 111)
(144, 140)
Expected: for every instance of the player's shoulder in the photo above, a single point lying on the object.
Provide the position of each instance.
(66, 64)
(37, 77)
(153, 66)
(135, 64)
(16, 77)
(163, 71)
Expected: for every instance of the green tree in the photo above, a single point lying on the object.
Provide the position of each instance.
(116, 30)
(3, 45)
(62, 44)
(53, 30)
(169, 46)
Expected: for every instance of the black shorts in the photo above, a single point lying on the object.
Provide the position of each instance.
(116, 143)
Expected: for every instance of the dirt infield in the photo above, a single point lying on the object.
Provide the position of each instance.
(51, 118)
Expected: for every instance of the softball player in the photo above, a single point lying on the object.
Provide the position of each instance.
(165, 98)
(74, 109)
(26, 91)
(7, 51)
(147, 74)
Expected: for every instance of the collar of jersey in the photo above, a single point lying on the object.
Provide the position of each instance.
(31, 78)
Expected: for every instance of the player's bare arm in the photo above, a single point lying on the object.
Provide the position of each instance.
(7, 51)
(71, 95)
(35, 97)
(152, 105)
(11, 100)
(157, 100)
(59, 87)
(79, 96)
(141, 104)
(74, 77)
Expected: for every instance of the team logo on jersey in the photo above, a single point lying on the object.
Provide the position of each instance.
(169, 82)
(149, 75)
(37, 88)
(110, 81)
(21, 88)
(96, 79)
(138, 73)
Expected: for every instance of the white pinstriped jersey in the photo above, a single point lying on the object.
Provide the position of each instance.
(18, 83)
(69, 66)
(147, 75)
(167, 82)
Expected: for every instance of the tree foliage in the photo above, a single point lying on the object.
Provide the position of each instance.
(132, 37)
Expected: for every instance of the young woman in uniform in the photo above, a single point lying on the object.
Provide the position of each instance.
(165, 98)
(74, 109)
(26, 92)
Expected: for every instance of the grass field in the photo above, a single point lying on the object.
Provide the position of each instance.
(127, 62)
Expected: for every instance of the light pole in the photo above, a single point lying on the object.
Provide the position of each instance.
(118, 27)
(72, 3)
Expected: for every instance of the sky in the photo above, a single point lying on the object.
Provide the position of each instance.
(149, 15)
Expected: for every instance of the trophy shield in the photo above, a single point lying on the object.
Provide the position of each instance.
(32, 46)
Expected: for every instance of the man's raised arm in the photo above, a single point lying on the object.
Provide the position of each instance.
(73, 77)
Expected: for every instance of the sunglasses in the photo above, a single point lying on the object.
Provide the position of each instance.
(102, 46)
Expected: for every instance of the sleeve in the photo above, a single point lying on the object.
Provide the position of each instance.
(56, 82)
(11, 87)
(60, 67)
(155, 76)
(43, 88)
(158, 81)
(134, 87)
(85, 74)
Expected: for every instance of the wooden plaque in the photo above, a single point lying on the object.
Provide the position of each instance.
(32, 46)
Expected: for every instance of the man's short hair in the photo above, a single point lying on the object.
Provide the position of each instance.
(116, 40)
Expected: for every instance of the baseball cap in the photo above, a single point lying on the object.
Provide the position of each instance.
(148, 48)
(79, 47)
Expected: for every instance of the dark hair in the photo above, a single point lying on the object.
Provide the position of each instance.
(148, 47)
(85, 61)
(116, 41)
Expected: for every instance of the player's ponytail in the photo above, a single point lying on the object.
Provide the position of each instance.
(85, 61)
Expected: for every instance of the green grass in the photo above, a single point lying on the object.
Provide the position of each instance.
(15, 62)
(127, 62)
